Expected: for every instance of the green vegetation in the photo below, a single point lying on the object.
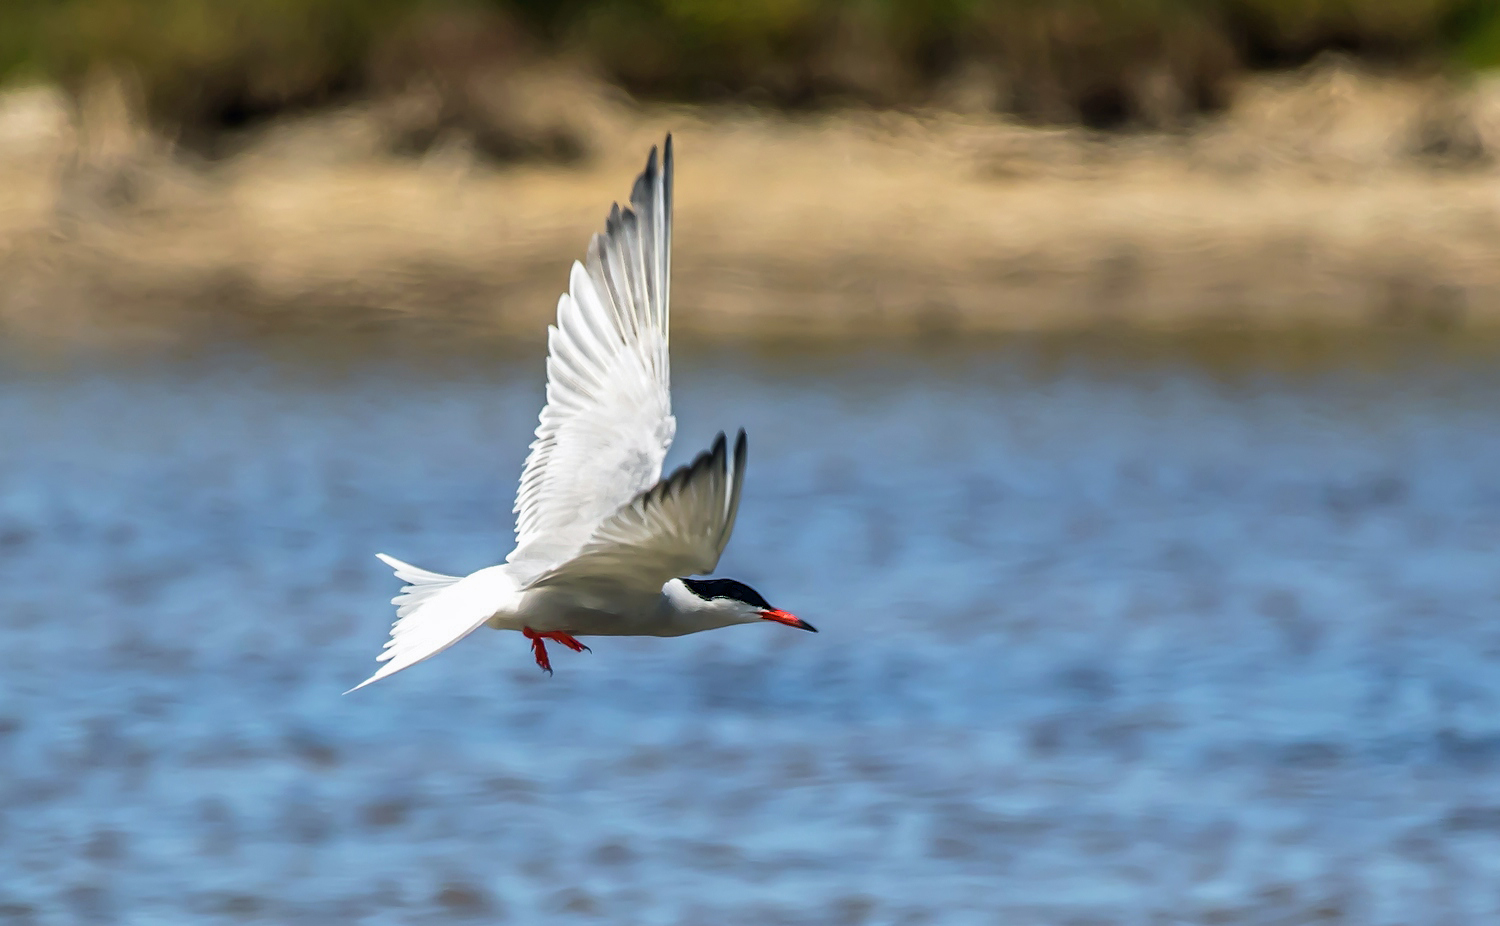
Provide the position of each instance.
(214, 62)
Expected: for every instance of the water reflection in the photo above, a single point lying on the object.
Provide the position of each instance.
(1108, 636)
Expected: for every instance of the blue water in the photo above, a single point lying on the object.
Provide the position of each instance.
(1103, 643)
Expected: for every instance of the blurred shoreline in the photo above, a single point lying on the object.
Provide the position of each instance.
(1325, 198)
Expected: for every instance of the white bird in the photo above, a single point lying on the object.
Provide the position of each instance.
(603, 543)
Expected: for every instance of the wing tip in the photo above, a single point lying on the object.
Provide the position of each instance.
(652, 180)
(741, 452)
(650, 173)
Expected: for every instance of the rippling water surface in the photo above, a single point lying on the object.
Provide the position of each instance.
(1101, 643)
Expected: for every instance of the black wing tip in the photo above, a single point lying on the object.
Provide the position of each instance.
(737, 463)
(649, 174)
(650, 178)
(620, 221)
(715, 455)
(666, 170)
(640, 192)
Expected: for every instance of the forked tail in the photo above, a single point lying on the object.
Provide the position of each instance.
(421, 584)
(427, 621)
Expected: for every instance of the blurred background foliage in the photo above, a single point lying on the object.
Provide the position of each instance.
(207, 64)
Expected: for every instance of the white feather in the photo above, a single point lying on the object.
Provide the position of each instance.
(608, 421)
(446, 613)
(592, 510)
(678, 528)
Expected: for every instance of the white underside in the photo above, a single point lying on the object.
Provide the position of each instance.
(590, 612)
(436, 611)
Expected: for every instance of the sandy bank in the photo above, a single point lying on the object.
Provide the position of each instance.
(1322, 199)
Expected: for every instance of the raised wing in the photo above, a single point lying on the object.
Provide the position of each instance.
(679, 527)
(608, 421)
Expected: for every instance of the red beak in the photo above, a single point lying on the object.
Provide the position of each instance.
(787, 618)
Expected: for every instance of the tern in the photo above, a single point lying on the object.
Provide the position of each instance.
(604, 545)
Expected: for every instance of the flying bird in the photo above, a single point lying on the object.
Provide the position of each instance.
(604, 545)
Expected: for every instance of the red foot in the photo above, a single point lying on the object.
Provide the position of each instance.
(570, 642)
(539, 649)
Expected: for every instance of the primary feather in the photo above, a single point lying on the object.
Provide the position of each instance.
(679, 527)
(608, 421)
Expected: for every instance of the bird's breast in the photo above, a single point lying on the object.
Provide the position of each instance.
(585, 613)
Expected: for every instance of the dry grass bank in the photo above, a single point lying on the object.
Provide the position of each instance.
(1328, 198)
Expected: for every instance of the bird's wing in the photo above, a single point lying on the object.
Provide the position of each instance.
(678, 527)
(608, 421)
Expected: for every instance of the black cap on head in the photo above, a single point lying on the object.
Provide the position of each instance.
(708, 589)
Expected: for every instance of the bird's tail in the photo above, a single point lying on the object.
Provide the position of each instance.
(421, 584)
(412, 625)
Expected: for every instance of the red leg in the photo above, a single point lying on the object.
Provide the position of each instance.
(538, 649)
(565, 640)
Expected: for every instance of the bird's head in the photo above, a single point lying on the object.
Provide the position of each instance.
(738, 603)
